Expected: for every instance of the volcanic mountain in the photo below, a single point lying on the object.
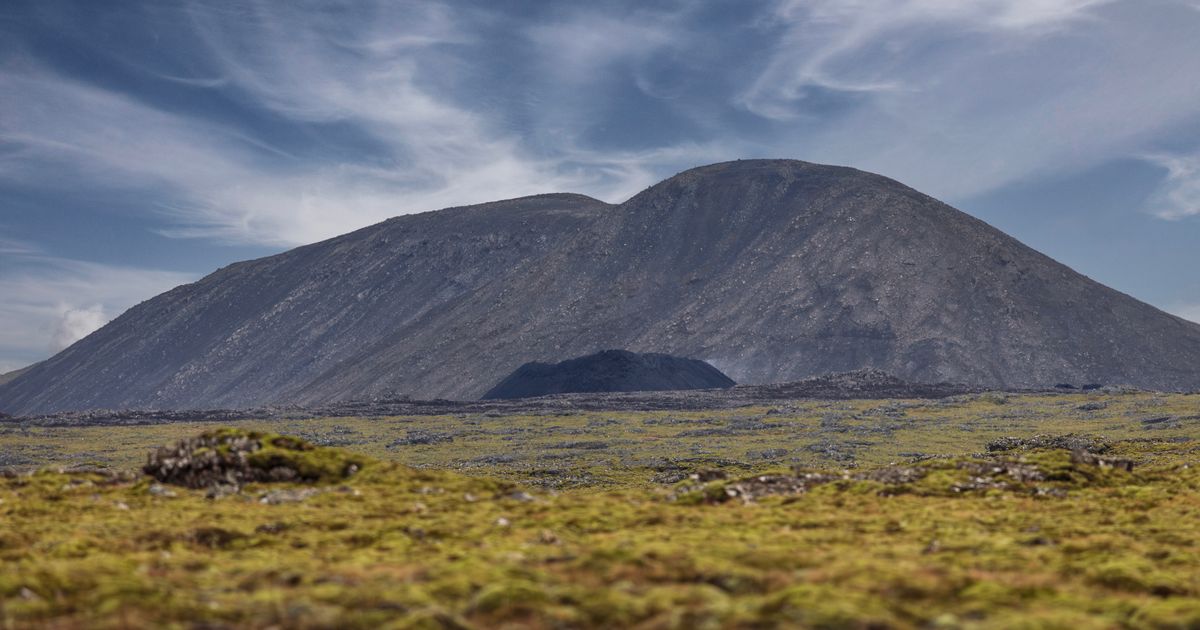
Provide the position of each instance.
(610, 371)
(770, 270)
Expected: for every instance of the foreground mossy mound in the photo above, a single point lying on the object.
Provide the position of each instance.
(955, 542)
(235, 457)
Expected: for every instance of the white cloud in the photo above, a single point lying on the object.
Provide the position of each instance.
(1178, 195)
(75, 324)
(50, 303)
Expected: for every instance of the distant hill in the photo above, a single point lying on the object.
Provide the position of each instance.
(769, 270)
(8, 376)
(610, 371)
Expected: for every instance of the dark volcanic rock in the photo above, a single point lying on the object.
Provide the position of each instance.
(770, 270)
(609, 371)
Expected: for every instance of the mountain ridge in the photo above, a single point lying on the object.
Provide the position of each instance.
(771, 270)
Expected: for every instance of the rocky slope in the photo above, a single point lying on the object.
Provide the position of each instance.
(609, 371)
(770, 270)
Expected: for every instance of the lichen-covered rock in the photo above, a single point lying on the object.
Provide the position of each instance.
(278, 497)
(1068, 442)
(232, 457)
(713, 488)
(1045, 472)
(1092, 459)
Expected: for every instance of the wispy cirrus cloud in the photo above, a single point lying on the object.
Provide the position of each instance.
(959, 98)
(380, 75)
(11, 247)
(229, 187)
(954, 98)
(310, 68)
(587, 41)
(860, 45)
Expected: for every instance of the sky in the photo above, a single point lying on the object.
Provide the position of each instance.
(146, 144)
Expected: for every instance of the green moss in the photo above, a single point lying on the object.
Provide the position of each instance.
(219, 455)
(1167, 613)
(322, 465)
(425, 547)
(509, 599)
(826, 607)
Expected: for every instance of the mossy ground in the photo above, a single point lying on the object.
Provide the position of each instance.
(398, 546)
(632, 448)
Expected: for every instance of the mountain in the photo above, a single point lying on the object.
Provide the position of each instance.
(609, 371)
(770, 270)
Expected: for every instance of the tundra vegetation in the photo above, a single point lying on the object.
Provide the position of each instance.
(984, 511)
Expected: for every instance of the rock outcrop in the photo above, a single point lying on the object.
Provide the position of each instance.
(610, 371)
(231, 458)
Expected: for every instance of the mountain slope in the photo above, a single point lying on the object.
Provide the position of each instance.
(770, 270)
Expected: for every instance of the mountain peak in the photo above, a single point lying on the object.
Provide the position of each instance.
(759, 168)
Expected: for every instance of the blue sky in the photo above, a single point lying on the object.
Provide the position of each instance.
(144, 144)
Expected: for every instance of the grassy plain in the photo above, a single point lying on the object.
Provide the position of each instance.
(591, 520)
